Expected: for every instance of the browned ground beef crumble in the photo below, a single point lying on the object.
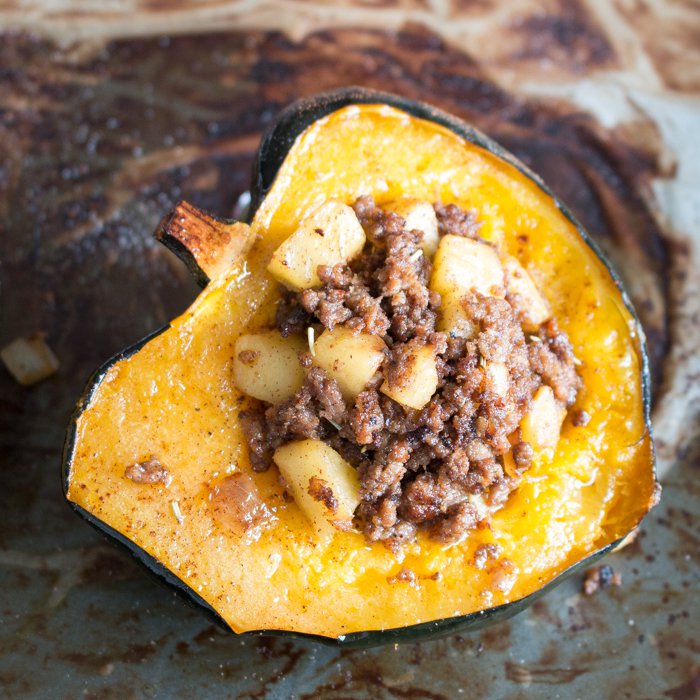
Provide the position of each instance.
(151, 471)
(417, 468)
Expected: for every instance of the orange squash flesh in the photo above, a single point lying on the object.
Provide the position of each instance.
(175, 399)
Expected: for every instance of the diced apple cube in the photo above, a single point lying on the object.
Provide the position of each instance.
(331, 234)
(266, 365)
(541, 425)
(518, 282)
(419, 216)
(498, 378)
(324, 485)
(416, 390)
(29, 360)
(462, 265)
(350, 358)
(453, 318)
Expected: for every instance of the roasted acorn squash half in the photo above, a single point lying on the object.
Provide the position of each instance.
(167, 408)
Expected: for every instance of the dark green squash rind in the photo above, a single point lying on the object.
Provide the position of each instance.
(274, 147)
(182, 252)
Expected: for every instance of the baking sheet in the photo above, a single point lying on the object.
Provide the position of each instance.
(102, 131)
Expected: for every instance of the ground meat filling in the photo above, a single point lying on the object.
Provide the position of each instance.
(151, 471)
(456, 221)
(442, 468)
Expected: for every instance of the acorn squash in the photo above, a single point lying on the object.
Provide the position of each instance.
(156, 458)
